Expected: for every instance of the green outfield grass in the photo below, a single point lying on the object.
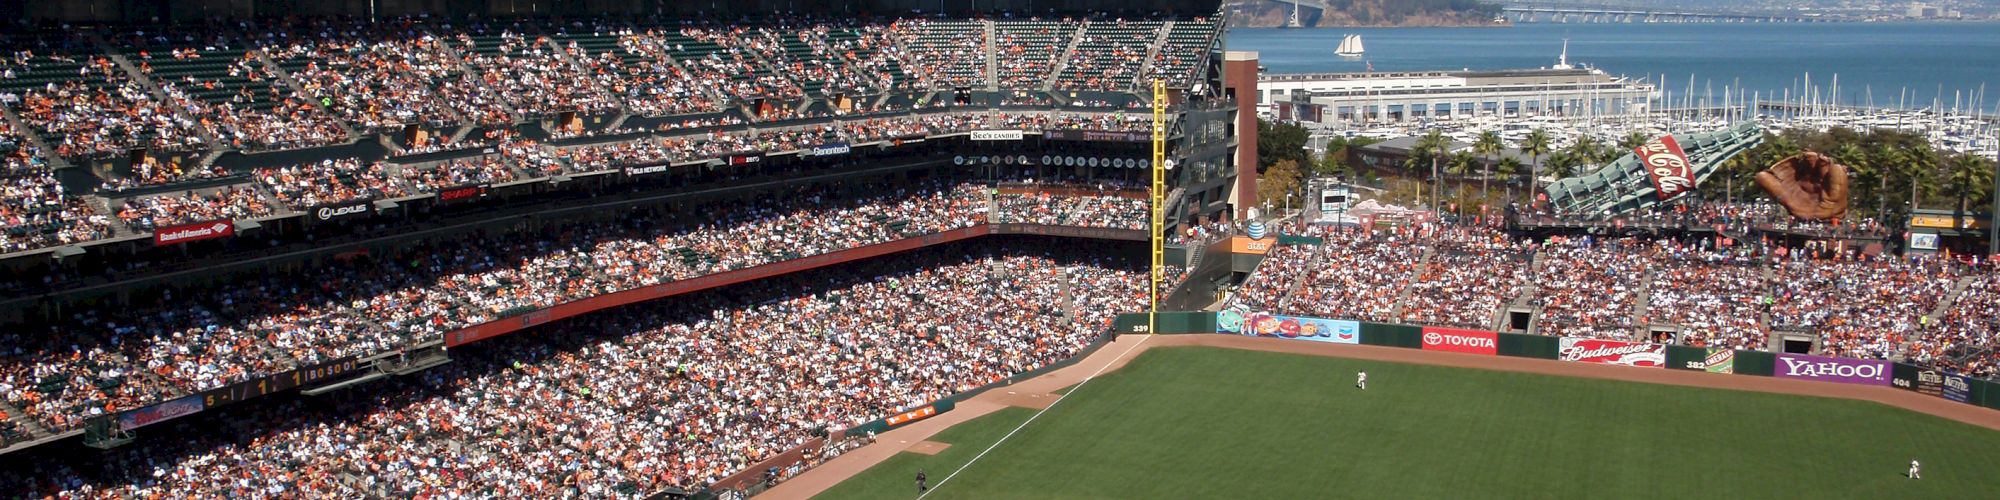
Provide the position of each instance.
(1188, 422)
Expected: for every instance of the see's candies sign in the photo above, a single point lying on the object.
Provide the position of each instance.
(1465, 341)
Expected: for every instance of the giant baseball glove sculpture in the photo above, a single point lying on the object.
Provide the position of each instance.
(1810, 185)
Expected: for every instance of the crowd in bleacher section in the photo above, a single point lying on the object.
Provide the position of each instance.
(304, 82)
(677, 394)
(102, 361)
(1713, 292)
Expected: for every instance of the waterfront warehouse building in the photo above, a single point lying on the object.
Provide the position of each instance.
(1400, 96)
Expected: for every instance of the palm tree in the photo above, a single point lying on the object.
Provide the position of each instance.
(1487, 146)
(1584, 152)
(1509, 167)
(1432, 145)
(1970, 177)
(1858, 164)
(1535, 145)
(1632, 141)
(1564, 163)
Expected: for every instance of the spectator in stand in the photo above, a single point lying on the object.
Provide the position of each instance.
(231, 202)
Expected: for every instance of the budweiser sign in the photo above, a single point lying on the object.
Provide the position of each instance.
(1612, 352)
(1667, 165)
(1465, 341)
(174, 235)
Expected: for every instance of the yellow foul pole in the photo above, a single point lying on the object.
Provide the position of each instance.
(1159, 202)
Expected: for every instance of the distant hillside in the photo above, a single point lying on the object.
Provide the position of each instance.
(1267, 13)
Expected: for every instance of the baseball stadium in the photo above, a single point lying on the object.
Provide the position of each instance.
(905, 249)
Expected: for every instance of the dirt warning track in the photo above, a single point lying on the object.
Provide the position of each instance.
(1038, 392)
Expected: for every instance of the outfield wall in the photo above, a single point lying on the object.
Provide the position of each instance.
(1936, 383)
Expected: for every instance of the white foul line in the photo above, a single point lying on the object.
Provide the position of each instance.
(1031, 419)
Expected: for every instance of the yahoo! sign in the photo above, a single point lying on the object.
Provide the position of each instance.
(1825, 369)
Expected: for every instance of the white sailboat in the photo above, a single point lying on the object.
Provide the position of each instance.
(1350, 46)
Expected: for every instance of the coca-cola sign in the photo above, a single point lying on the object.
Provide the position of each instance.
(1613, 352)
(174, 235)
(1825, 369)
(1667, 165)
(1456, 340)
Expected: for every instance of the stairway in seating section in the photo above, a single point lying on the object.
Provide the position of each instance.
(1062, 58)
(1152, 52)
(992, 58)
(1403, 295)
(23, 423)
(1644, 304)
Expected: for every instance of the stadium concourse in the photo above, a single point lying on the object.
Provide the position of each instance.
(1929, 310)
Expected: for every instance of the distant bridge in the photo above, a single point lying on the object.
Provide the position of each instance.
(1519, 11)
(1530, 11)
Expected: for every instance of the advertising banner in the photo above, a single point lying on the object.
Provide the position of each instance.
(1930, 382)
(1667, 165)
(1923, 241)
(1825, 369)
(1612, 352)
(357, 209)
(1302, 328)
(831, 149)
(745, 159)
(159, 413)
(185, 233)
(1720, 360)
(1097, 135)
(1956, 388)
(463, 193)
(645, 170)
(1457, 340)
(1239, 244)
(927, 411)
(996, 135)
(1229, 321)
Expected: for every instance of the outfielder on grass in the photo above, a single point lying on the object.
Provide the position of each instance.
(1361, 379)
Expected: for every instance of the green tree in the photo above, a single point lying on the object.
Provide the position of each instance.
(1431, 148)
(1283, 178)
(1970, 179)
(1584, 152)
(1632, 141)
(1535, 145)
(1277, 141)
(1565, 163)
(1487, 145)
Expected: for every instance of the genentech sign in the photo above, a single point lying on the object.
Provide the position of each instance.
(1456, 340)
(1667, 165)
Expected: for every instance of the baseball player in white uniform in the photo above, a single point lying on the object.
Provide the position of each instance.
(1916, 470)
(1361, 379)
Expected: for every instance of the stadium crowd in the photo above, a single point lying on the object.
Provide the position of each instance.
(185, 344)
(676, 394)
(1713, 293)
